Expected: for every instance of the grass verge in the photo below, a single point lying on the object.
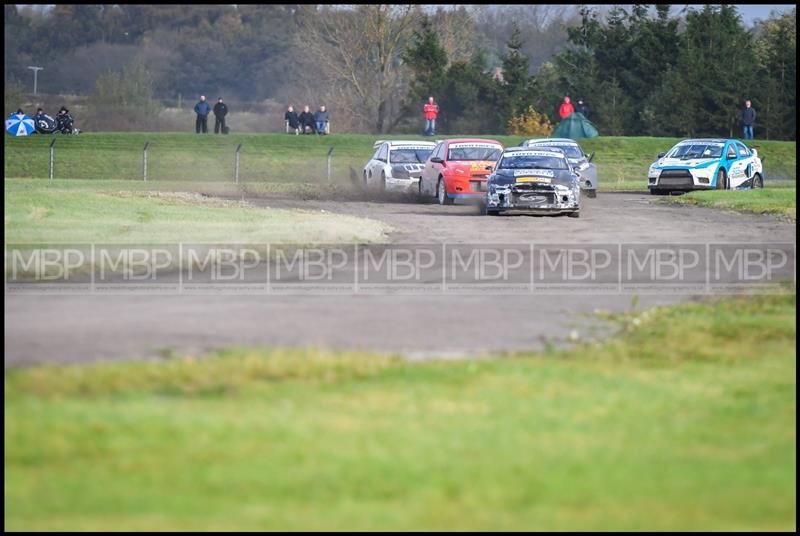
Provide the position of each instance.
(686, 420)
(778, 201)
(115, 212)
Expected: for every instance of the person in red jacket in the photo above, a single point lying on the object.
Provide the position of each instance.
(566, 109)
(430, 110)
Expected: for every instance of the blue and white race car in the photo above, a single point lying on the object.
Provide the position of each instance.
(705, 164)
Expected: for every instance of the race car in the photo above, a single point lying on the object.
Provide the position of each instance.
(577, 158)
(704, 164)
(458, 168)
(540, 181)
(397, 165)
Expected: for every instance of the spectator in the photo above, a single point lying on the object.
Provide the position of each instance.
(64, 121)
(582, 109)
(430, 111)
(321, 119)
(566, 109)
(220, 111)
(202, 109)
(748, 118)
(293, 120)
(307, 121)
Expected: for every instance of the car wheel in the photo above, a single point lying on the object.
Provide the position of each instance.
(758, 182)
(721, 180)
(653, 191)
(490, 211)
(441, 193)
(591, 193)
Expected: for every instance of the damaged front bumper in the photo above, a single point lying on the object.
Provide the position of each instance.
(538, 198)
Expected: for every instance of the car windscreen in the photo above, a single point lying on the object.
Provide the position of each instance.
(572, 151)
(462, 152)
(410, 155)
(685, 151)
(532, 160)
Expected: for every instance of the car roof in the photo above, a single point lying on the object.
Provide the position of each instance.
(549, 149)
(398, 143)
(704, 140)
(472, 140)
(545, 140)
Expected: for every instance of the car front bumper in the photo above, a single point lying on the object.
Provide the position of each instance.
(544, 199)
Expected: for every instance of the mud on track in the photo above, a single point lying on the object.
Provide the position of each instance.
(112, 327)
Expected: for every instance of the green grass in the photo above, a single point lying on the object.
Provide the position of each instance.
(779, 201)
(62, 212)
(622, 161)
(686, 420)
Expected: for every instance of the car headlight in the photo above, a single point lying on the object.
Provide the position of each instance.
(653, 171)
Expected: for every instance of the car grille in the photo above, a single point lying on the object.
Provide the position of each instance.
(675, 177)
(478, 186)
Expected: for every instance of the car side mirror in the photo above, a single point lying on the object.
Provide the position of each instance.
(661, 155)
(591, 157)
(437, 160)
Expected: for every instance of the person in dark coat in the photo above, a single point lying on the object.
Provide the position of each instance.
(582, 109)
(321, 119)
(220, 111)
(202, 109)
(307, 121)
(748, 118)
(65, 122)
(291, 117)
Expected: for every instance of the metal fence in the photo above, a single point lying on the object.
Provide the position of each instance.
(142, 158)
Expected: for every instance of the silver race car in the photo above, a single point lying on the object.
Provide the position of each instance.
(541, 181)
(577, 158)
(397, 165)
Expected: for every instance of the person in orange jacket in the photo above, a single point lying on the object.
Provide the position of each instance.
(566, 109)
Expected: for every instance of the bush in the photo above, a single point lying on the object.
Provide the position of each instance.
(530, 123)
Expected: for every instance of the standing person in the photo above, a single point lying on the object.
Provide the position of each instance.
(220, 111)
(566, 109)
(307, 120)
(321, 119)
(291, 117)
(748, 118)
(202, 109)
(430, 111)
(582, 109)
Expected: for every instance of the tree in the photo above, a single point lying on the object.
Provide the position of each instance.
(776, 94)
(516, 80)
(356, 58)
(427, 60)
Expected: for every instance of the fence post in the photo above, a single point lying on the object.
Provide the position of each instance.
(239, 148)
(144, 161)
(52, 156)
(330, 152)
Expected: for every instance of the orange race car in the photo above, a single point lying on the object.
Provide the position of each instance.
(458, 168)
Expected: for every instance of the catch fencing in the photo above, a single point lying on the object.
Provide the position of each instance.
(241, 159)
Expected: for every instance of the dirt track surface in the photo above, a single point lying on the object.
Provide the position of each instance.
(113, 327)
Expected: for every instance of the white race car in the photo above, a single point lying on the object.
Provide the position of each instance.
(580, 162)
(397, 165)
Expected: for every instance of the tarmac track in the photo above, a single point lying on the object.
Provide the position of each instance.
(78, 328)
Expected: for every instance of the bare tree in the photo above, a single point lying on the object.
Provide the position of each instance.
(350, 56)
